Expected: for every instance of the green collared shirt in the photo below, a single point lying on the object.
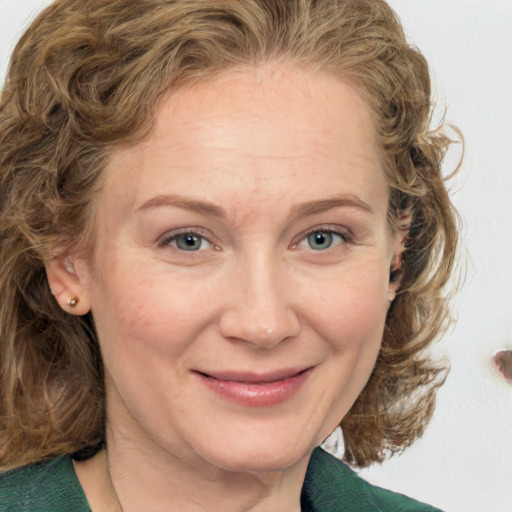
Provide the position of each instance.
(330, 486)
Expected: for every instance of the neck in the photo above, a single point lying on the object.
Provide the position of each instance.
(147, 480)
(129, 478)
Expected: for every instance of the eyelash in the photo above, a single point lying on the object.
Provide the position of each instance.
(345, 235)
(168, 238)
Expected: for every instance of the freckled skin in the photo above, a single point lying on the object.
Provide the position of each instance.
(255, 298)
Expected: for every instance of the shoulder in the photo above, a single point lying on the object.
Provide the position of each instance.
(331, 485)
(42, 487)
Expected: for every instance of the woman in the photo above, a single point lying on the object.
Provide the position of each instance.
(224, 233)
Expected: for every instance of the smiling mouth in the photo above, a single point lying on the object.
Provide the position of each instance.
(252, 378)
(255, 390)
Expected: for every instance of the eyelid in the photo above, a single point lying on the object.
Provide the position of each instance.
(169, 236)
(343, 232)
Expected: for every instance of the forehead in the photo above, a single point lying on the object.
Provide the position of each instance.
(311, 103)
(253, 125)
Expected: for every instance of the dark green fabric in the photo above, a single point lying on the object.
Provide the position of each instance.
(330, 486)
(43, 487)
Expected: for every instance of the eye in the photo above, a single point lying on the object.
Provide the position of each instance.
(322, 239)
(186, 241)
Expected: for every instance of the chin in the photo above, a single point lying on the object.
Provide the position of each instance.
(254, 454)
(260, 462)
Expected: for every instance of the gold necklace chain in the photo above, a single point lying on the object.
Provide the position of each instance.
(111, 483)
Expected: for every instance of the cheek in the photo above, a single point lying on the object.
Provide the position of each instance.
(352, 311)
(351, 320)
(148, 316)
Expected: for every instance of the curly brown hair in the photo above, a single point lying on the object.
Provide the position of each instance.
(85, 79)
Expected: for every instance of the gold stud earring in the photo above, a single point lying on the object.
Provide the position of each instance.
(73, 302)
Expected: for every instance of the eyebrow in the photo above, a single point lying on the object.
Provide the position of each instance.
(301, 210)
(184, 202)
(323, 205)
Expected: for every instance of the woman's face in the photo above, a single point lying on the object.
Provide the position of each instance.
(240, 280)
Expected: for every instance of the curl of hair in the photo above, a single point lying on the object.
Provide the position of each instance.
(85, 79)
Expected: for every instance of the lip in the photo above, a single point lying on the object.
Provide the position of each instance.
(252, 389)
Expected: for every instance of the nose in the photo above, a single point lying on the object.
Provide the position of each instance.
(259, 312)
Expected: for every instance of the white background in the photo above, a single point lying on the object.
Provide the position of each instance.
(464, 461)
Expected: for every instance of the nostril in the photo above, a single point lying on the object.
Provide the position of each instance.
(251, 326)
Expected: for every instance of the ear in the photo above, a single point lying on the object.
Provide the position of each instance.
(66, 285)
(400, 239)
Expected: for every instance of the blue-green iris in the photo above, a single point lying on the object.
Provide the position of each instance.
(320, 240)
(188, 242)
